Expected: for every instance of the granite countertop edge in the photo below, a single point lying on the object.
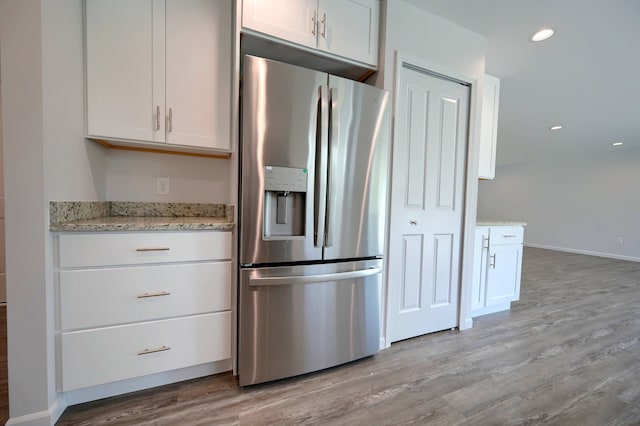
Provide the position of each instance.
(65, 216)
(484, 222)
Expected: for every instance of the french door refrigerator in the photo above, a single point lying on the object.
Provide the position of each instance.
(313, 201)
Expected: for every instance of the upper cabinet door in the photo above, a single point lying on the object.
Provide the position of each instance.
(198, 73)
(122, 96)
(291, 20)
(349, 28)
(489, 127)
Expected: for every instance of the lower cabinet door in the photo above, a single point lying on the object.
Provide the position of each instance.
(98, 356)
(479, 282)
(503, 275)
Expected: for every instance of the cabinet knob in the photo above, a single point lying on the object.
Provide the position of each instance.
(413, 222)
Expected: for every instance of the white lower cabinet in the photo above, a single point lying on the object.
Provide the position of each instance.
(126, 312)
(102, 355)
(497, 268)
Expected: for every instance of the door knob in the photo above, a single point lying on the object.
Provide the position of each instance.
(413, 222)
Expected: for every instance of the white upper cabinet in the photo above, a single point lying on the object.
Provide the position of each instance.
(344, 28)
(291, 20)
(489, 127)
(160, 71)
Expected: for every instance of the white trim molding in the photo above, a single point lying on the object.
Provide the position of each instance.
(587, 252)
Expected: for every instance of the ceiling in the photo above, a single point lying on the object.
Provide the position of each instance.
(585, 78)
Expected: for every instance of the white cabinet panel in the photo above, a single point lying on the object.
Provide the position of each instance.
(137, 303)
(503, 276)
(160, 71)
(99, 297)
(479, 282)
(292, 20)
(98, 356)
(489, 127)
(349, 28)
(497, 268)
(198, 73)
(344, 28)
(122, 88)
(80, 249)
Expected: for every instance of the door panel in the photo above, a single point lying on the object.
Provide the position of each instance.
(279, 129)
(430, 144)
(358, 170)
(411, 283)
(291, 20)
(443, 286)
(298, 319)
(199, 77)
(417, 141)
(448, 150)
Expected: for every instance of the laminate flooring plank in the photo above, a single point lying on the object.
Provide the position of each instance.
(567, 353)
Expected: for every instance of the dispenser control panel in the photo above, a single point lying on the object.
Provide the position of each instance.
(285, 179)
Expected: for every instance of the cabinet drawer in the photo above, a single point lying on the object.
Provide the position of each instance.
(99, 297)
(98, 356)
(506, 235)
(78, 250)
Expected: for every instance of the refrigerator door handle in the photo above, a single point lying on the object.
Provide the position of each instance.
(320, 187)
(310, 279)
(333, 128)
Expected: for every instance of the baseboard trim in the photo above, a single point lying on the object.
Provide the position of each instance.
(80, 396)
(41, 418)
(587, 252)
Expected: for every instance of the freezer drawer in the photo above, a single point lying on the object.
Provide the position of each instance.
(298, 319)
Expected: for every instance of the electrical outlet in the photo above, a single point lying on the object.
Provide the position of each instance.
(163, 186)
(619, 240)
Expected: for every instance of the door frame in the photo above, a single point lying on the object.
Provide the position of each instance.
(470, 190)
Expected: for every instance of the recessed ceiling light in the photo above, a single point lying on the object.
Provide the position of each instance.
(617, 143)
(558, 127)
(543, 34)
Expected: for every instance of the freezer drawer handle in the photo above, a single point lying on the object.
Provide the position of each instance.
(308, 279)
(153, 249)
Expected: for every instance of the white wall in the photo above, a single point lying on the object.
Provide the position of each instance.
(419, 33)
(455, 51)
(21, 62)
(131, 176)
(578, 204)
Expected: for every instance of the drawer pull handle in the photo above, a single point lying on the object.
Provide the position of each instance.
(152, 351)
(153, 249)
(509, 236)
(158, 294)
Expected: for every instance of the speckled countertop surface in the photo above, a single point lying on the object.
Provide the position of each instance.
(483, 222)
(88, 216)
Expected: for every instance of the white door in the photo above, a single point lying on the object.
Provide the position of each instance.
(430, 143)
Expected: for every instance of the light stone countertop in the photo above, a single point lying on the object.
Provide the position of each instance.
(483, 222)
(65, 216)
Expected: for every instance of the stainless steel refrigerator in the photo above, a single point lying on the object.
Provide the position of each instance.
(313, 201)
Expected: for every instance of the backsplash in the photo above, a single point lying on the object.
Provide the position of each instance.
(68, 211)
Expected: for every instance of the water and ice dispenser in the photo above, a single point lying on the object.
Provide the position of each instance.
(285, 193)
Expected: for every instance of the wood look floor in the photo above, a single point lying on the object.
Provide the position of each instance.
(567, 354)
